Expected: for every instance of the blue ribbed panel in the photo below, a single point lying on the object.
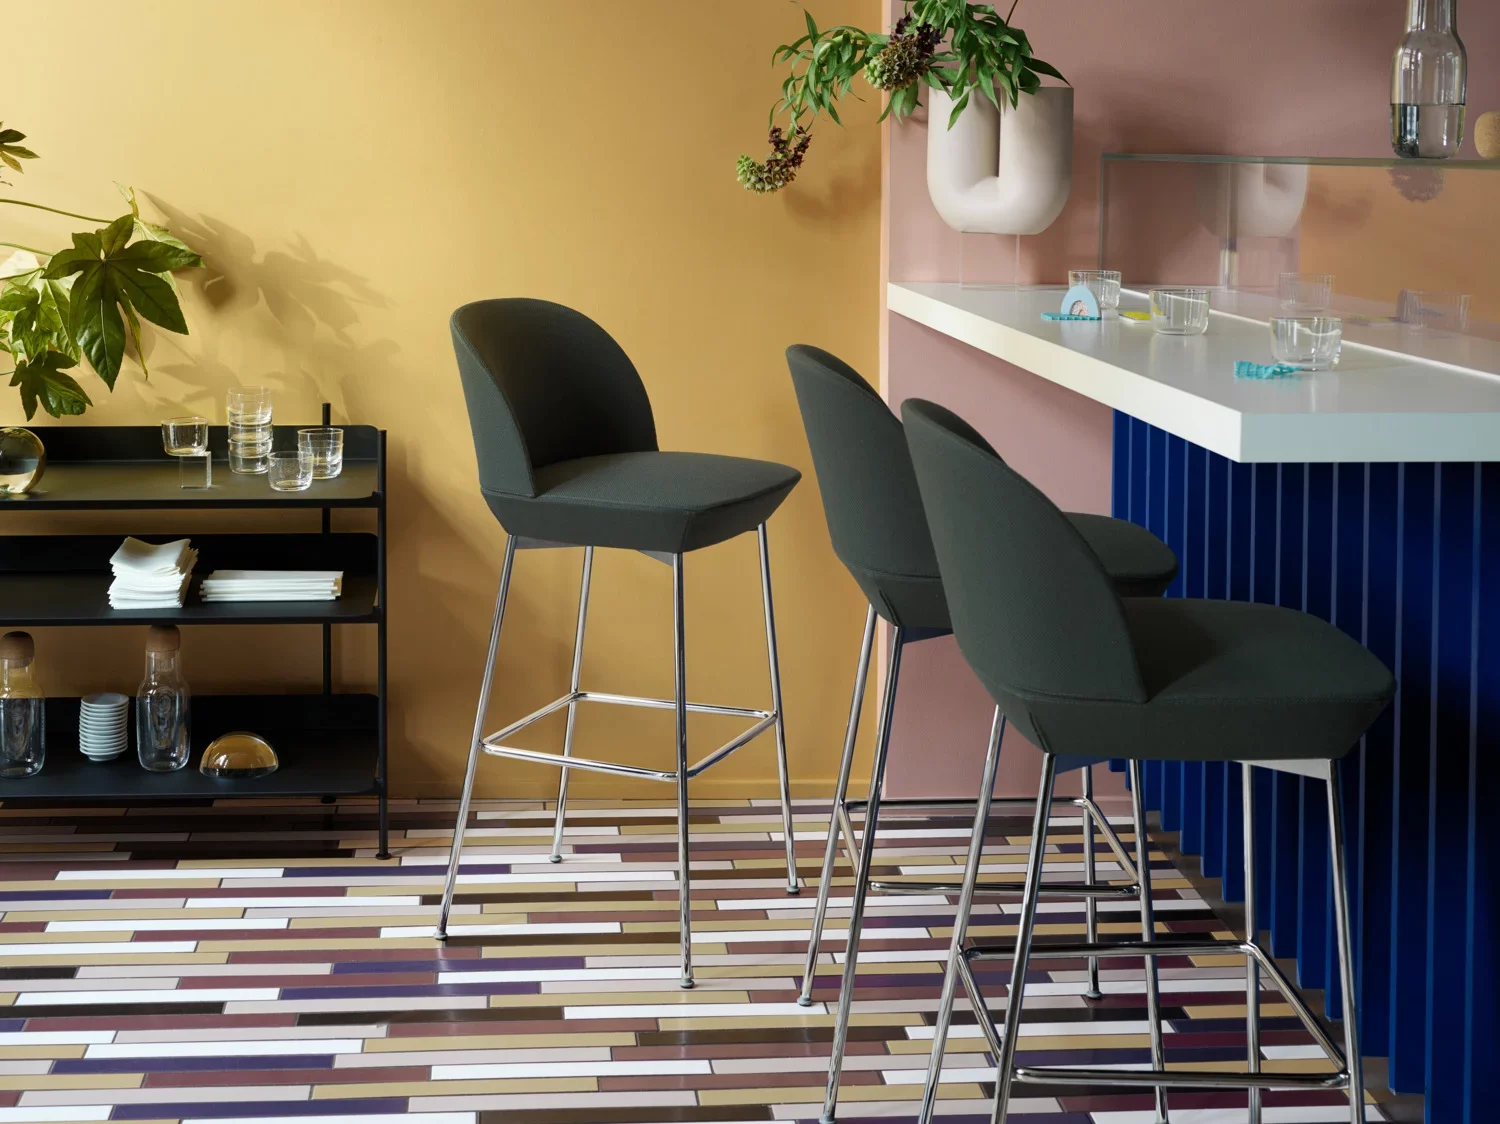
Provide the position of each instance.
(1406, 559)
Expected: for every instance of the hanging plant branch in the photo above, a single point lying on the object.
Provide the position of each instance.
(950, 45)
(80, 304)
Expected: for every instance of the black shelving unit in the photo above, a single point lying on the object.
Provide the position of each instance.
(329, 744)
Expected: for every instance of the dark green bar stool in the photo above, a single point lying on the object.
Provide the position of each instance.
(567, 453)
(879, 532)
(1075, 666)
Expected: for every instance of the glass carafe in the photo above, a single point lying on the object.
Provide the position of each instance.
(23, 725)
(1428, 82)
(162, 734)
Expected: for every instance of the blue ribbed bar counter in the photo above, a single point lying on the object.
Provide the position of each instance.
(1369, 496)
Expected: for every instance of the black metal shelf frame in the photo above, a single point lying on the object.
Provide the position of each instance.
(330, 744)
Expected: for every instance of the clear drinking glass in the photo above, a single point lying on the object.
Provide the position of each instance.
(1304, 293)
(249, 428)
(186, 439)
(162, 733)
(290, 471)
(1425, 308)
(1179, 311)
(1103, 283)
(1429, 77)
(249, 404)
(1310, 342)
(324, 446)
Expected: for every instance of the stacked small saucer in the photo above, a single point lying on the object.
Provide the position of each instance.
(103, 725)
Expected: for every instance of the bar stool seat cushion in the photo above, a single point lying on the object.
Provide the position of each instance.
(669, 502)
(1228, 681)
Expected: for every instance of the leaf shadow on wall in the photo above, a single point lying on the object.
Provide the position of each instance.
(301, 304)
(839, 196)
(299, 316)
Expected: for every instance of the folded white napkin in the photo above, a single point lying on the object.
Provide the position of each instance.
(275, 577)
(273, 585)
(151, 576)
(137, 557)
(128, 598)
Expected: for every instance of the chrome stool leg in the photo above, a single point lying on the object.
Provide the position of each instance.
(1090, 906)
(840, 793)
(562, 781)
(684, 877)
(1005, 1070)
(1252, 931)
(862, 879)
(484, 702)
(1148, 930)
(961, 920)
(1346, 1073)
(793, 886)
(1336, 844)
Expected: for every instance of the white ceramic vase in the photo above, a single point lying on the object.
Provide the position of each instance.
(1001, 171)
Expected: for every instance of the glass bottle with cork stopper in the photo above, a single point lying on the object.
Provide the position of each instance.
(23, 727)
(162, 733)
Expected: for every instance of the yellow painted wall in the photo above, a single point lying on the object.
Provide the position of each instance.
(353, 171)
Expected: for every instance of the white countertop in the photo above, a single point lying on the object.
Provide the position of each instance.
(1376, 405)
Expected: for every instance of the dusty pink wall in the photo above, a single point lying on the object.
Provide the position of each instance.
(1279, 77)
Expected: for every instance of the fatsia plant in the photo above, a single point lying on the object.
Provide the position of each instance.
(949, 45)
(61, 307)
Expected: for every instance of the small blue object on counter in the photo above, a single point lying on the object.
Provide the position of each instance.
(1244, 369)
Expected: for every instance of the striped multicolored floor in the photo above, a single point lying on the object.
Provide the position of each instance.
(243, 962)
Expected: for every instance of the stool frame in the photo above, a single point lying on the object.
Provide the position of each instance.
(493, 744)
(1003, 1042)
(859, 848)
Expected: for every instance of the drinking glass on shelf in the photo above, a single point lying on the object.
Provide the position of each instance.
(324, 446)
(249, 428)
(1426, 308)
(1303, 294)
(1310, 342)
(1103, 283)
(1180, 311)
(290, 470)
(186, 439)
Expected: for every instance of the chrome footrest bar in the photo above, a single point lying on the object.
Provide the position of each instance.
(998, 886)
(491, 743)
(1180, 1078)
(1226, 1079)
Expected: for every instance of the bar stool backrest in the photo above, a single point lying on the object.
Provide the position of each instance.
(1033, 610)
(870, 495)
(545, 384)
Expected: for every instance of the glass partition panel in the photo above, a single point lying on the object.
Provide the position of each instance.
(1406, 251)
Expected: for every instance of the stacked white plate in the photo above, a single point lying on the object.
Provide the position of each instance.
(103, 725)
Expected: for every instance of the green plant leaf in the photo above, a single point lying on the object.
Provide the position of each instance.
(114, 236)
(156, 256)
(958, 107)
(96, 323)
(152, 297)
(116, 279)
(43, 380)
(12, 153)
(1045, 68)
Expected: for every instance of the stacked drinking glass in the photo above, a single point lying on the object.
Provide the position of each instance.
(249, 428)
